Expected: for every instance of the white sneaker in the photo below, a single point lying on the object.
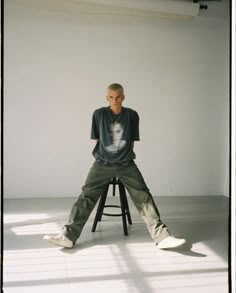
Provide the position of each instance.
(60, 240)
(170, 242)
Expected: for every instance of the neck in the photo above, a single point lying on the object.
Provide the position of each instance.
(116, 110)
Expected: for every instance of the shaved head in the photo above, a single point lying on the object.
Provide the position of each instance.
(116, 87)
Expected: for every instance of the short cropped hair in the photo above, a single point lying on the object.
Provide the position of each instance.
(115, 87)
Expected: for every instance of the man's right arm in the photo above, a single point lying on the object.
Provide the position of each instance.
(94, 129)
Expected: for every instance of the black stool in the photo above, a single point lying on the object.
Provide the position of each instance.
(123, 205)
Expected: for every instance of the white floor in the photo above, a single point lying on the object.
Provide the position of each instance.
(108, 261)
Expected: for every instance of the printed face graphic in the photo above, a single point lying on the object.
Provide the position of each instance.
(117, 142)
(117, 132)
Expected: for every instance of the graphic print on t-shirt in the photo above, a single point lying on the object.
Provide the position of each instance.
(117, 143)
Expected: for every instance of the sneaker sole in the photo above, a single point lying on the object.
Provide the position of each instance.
(55, 242)
(172, 246)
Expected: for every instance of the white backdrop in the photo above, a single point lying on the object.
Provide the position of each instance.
(58, 63)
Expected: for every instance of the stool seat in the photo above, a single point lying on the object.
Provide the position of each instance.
(124, 207)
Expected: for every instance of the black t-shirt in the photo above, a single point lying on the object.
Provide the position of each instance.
(115, 134)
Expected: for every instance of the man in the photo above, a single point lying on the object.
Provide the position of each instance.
(115, 128)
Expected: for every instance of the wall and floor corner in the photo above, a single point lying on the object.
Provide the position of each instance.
(58, 63)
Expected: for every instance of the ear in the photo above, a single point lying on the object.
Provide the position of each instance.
(123, 98)
(107, 98)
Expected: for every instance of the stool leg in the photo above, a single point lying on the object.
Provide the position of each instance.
(100, 208)
(127, 212)
(114, 186)
(122, 204)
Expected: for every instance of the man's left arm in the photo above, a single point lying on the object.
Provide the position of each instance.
(135, 128)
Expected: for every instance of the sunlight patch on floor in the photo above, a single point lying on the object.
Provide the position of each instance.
(16, 218)
(175, 261)
(130, 266)
(205, 282)
(38, 229)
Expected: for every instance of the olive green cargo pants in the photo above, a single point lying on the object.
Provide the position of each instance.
(129, 174)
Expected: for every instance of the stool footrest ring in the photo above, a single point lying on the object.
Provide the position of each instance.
(124, 207)
(111, 206)
(112, 215)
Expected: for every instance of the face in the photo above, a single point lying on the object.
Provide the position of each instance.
(115, 98)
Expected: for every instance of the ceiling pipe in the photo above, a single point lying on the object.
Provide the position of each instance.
(178, 8)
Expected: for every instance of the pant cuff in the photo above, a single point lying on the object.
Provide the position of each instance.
(69, 236)
(161, 237)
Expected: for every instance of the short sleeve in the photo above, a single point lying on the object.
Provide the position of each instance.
(135, 127)
(94, 128)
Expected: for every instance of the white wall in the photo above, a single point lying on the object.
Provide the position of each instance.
(58, 63)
